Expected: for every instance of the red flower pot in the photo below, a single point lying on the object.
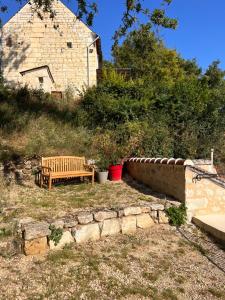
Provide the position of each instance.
(115, 172)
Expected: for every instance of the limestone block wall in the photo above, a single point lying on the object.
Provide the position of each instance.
(60, 43)
(38, 237)
(178, 178)
(164, 178)
(204, 196)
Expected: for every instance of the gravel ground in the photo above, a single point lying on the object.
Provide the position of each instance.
(158, 263)
(152, 264)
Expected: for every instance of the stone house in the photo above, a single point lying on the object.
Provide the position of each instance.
(49, 51)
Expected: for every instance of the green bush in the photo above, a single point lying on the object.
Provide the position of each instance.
(177, 215)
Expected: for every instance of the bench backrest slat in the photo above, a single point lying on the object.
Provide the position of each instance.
(64, 163)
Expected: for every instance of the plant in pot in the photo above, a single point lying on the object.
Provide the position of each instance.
(115, 167)
(110, 152)
(102, 172)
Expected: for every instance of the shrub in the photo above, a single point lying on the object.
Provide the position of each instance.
(177, 215)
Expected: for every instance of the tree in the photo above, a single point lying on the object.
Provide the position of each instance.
(133, 9)
(214, 76)
(148, 58)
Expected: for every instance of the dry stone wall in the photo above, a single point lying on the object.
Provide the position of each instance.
(87, 226)
(20, 169)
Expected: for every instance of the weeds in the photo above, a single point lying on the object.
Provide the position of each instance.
(56, 234)
(216, 293)
(177, 215)
(169, 294)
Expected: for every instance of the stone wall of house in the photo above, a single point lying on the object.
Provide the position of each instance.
(29, 42)
(163, 178)
(203, 196)
(38, 237)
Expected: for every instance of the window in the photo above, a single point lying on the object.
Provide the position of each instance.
(9, 41)
(41, 80)
(69, 45)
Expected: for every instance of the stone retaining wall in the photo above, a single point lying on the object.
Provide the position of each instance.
(168, 179)
(87, 226)
(20, 169)
(179, 178)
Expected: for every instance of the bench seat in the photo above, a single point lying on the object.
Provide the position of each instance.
(69, 174)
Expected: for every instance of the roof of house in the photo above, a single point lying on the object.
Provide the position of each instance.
(39, 68)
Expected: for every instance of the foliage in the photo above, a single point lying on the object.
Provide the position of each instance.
(109, 150)
(56, 234)
(103, 164)
(177, 215)
(169, 108)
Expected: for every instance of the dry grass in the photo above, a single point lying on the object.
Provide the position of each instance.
(147, 265)
(66, 199)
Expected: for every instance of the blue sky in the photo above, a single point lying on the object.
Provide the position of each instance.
(200, 34)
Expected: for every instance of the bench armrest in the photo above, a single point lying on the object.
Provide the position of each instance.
(46, 168)
(90, 167)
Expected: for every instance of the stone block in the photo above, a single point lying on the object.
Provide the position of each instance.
(24, 221)
(110, 227)
(128, 224)
(85, 218)
(70, 223)
(36, 230)
(120, 213)
(132, 210)
(37, 246)
(145, 209)
(156, 206)
(65, 240)
(58, 224)
(154, 215)
(104, 215)
(144, 221)
(163, 218)
(84, 233)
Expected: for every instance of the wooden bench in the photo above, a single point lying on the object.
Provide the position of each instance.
(59, 167)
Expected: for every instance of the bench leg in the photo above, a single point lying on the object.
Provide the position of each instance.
(41, 182)
(50, 183)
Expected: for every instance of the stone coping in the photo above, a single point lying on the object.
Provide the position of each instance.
(160, 160)
(38, 236)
